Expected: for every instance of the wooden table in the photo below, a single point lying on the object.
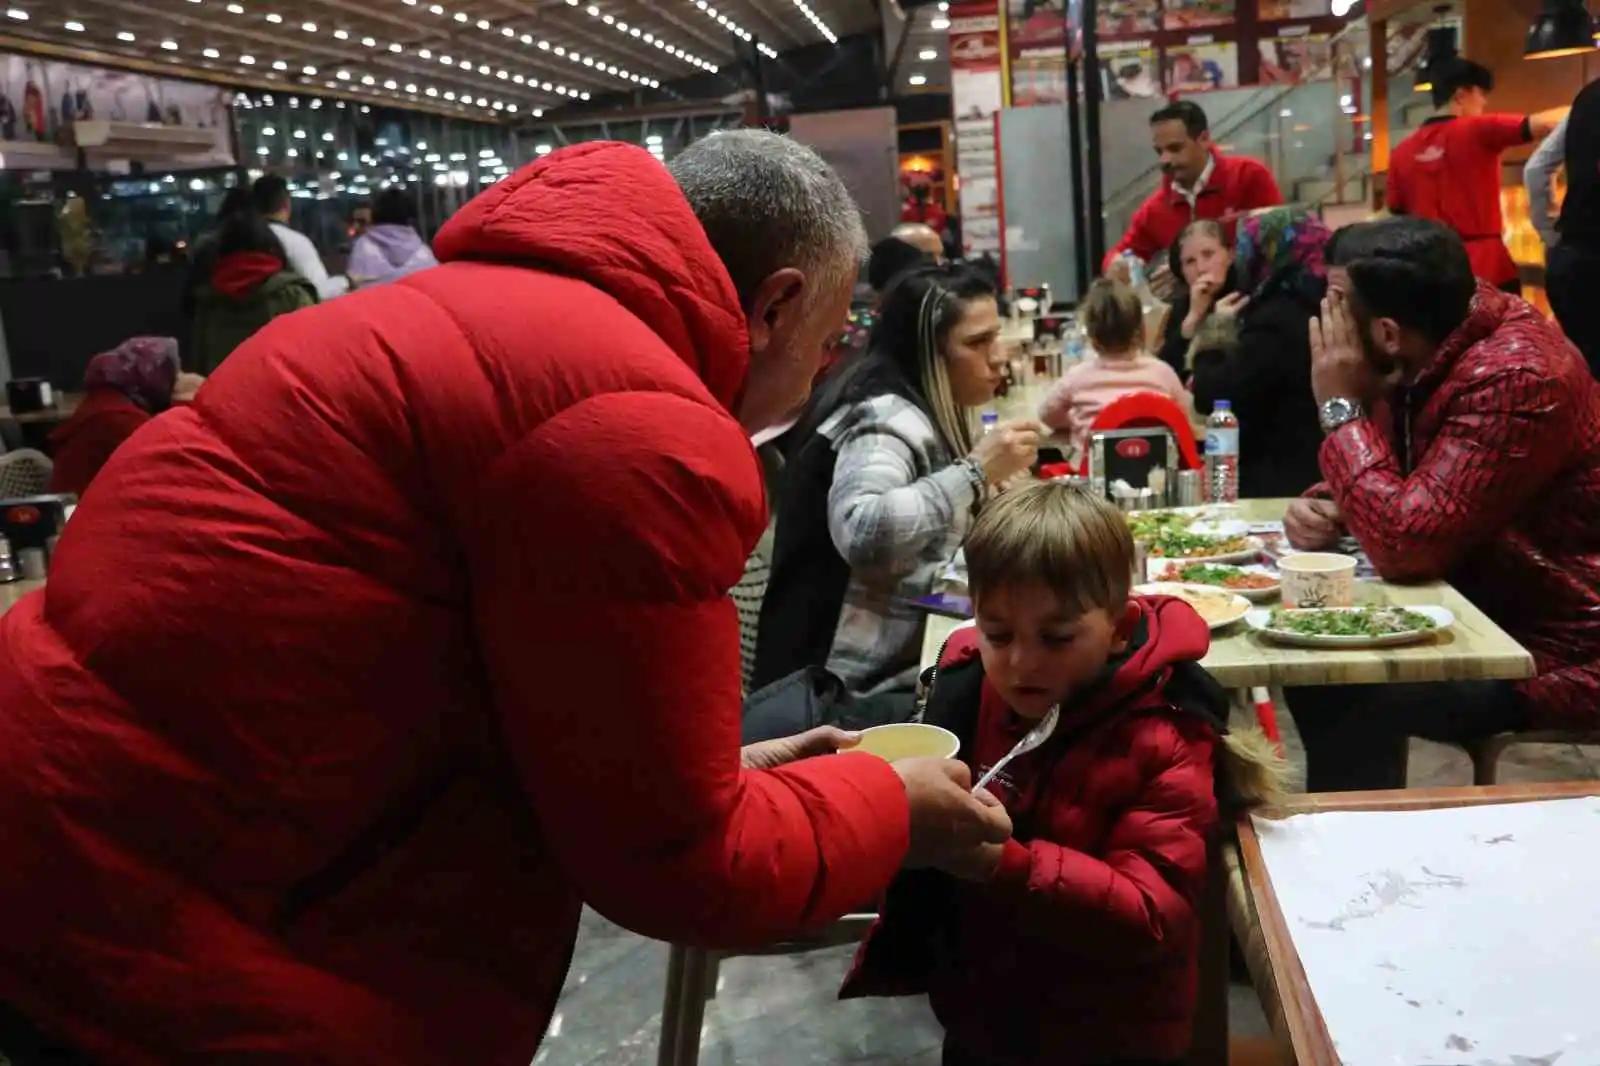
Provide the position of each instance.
(1474, 649)
(10, 594)
(60, 411)
(1305, 1031)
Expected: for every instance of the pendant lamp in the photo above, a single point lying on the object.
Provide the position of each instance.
(1563, 28)
(1441, 50)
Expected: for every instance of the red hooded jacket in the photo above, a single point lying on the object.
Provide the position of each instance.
(1083, 947)
(1487, 475)
(355, 680)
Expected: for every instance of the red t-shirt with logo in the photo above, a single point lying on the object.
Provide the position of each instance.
(1449, 170)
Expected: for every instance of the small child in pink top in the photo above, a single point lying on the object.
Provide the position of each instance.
(1114, 321)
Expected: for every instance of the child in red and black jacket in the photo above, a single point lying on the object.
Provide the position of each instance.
(1075, 943)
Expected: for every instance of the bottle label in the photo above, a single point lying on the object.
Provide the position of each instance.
(1222, 441)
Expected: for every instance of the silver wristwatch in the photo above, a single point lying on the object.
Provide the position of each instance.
(1337, 412)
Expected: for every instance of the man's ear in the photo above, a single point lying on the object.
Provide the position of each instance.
(775, 306)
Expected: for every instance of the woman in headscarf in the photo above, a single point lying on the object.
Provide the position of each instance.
(886, 474)
(124, 388)
(1259, 357)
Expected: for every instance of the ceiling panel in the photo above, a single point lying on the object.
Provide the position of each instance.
(925, 58)
(491, 59)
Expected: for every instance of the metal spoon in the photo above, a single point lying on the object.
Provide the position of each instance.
(1036, 736)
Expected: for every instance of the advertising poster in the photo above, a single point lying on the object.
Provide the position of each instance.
(1127, 18)
(1038, 32)
(1038, 80)
(1290, 60)
(1128, 71)
(1193, 14)
(975, 98)
(40, 99)
(1279, 10)
(1196, 68)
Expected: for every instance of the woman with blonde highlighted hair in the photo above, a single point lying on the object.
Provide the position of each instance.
(888, 471)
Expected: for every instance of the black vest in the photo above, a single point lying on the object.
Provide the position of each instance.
(1580, 211)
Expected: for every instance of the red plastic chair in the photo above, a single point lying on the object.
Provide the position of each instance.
(1139, 409)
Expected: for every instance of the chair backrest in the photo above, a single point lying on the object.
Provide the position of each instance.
(1138, 409)
(24, 472)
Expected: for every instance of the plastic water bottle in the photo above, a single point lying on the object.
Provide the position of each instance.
(1139, 281)
(1222, 454)
(990, 421)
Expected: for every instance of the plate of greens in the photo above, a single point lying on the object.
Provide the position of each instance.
(1190, 547)
(1350, 627)
(1256, 583)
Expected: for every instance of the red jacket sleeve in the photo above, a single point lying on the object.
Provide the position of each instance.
(1137, 240)
(600, 569)
(1141, 899)
(1394, 189)
(1502, 438)
(1499, 132)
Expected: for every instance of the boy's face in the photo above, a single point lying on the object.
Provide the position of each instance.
(1037, 654)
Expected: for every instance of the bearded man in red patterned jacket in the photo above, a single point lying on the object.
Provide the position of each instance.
(1463, 444)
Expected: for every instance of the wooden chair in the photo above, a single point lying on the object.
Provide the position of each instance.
(692, 982)
(1486, 754)
(1140, 409)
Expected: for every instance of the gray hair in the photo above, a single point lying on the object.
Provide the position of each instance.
(767, 202)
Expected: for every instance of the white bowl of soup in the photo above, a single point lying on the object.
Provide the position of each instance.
(908, 740)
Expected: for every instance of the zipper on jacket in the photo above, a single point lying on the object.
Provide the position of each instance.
(933, 676)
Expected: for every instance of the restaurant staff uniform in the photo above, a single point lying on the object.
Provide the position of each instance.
(1449, 171)
(1573, 264)
(1229, 185)
(356, 680)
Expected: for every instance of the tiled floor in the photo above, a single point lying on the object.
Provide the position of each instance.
(781, 1011)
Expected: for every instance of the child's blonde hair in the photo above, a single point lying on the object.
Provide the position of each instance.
(1079, 546)
(1113, 316)
(1057, 534)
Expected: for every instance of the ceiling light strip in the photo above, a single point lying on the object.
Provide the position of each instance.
(710, 11)
(822, 27)
(393, 48)
(636, 32)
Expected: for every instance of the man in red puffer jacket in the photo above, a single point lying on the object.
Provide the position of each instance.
(355, 680)
(1480, 467)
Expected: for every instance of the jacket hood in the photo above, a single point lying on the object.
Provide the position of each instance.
(611, 215)
(395, 244)
(239, 274)
(1168, 632)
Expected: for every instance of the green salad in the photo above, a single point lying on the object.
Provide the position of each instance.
(1175, 544)
(1149, 524)
(1360, 622)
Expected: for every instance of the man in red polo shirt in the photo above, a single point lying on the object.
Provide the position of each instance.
(1197, 181)
(1449, 170)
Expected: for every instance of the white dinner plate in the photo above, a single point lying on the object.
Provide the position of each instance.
(1443, 618)
(1237, 606)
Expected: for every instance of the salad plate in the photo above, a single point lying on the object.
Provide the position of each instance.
(1257, 583)
(1350, 627)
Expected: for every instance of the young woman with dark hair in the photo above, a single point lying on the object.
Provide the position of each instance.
(887, 473)
(249, 286)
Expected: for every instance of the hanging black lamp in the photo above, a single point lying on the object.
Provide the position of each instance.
(1441, 49)
(1563, 28)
